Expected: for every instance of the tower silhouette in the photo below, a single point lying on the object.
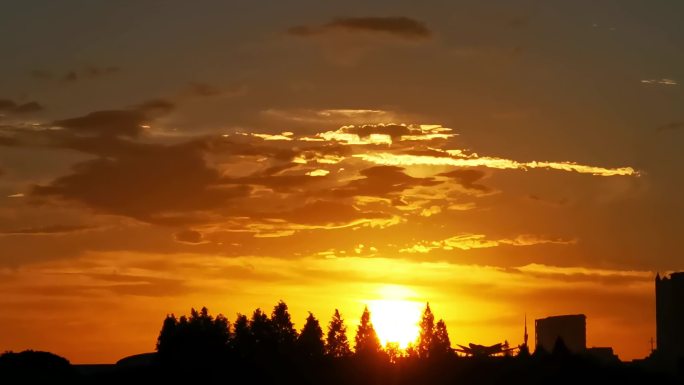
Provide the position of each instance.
(670, 316)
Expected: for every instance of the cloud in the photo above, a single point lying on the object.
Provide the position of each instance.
(189, 236)
(267, 184)
(381, 181)
(663, 82)
(152, 183)
(47, 230)
(8, 141)
(479, 241)
(90, 72)
(672, 126)
(327, 213)
(467, 179)
(318, 172)
(41, 74)
(386, 158)
(384, 134)
(335, 116)
(400, 27)
(129, 123)
(12, 107)
(203, 89)
(585, 274)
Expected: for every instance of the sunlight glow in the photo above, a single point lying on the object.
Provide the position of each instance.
(394, 317)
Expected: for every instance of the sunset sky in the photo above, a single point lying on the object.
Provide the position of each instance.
(495, 158)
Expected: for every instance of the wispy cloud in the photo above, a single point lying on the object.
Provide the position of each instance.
(663, 81)
(386, 158)
(400, 27)
(671, 126)
(12, 107)
(480, 241)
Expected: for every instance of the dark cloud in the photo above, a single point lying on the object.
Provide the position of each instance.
(41, 74)
(95, 72)
(152, 183)
(203, 89)
(326, 213)
(671, 126)
(28, 108)
(189, 236)
(7, 105)
(395, 131)
(108, 123)
(553, 202)
(402, 27)
(10, 106)
(91, 72)
(518, 22)
(8, 141)
(381, 181)
(43, 230)
(467, 179)
(281, 183)
(70, 76)
(127, 122)
(110, 283)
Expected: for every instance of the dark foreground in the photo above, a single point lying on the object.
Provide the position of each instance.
(45, 368)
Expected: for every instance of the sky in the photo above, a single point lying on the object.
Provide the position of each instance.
(499, 159)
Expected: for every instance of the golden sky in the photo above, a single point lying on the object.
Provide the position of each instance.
(497, 160)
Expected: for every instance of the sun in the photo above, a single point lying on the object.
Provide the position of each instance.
(395, 318)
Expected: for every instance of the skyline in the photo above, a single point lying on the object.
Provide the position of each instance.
(494, 160)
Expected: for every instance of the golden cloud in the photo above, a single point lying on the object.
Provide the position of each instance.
(390, 159)
(480, 241)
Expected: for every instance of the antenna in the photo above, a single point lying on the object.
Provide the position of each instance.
(651, 345)
(525, 329)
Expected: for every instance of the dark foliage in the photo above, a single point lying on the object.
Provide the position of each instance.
(310, 342)
(268, 350)
(337, 344)
(366, 341)
(35, 367)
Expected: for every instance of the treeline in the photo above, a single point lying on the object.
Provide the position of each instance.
(201, 338)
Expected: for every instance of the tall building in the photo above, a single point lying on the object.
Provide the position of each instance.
(670, 316)
(572, 329)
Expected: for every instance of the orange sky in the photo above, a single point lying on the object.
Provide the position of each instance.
(497, 160)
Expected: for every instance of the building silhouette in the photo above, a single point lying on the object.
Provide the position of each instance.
(670, 316)
(572, 329)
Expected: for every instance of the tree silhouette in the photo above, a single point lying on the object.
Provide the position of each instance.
(36, 367)
(310, 340)
(441, 344)
(366, 340)
(167, 337)
(283, 330)
(242, 342)
(337, 344)
(197, 340)
(427, 332)
(262, 332)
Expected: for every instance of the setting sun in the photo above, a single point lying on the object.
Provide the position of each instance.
(395, 318)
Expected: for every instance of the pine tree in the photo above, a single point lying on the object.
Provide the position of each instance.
(366, 340)
(427, 332)
(284, 332)
(441, 343)
(337, 344)
(242, 342)
(310, 340)
(167, 336)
